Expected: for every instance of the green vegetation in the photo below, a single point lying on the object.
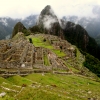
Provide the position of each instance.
(2, 80)
(46, 61)
(26, 32)
(59, 53)
(30, 40)
(18, 80)
(77, 52)
(70, 67)
(92, 63)
(49, 87)
(7, 97)
(39, 42)
(19, 27)
(36, 29)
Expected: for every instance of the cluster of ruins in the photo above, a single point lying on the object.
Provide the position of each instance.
(20, 54)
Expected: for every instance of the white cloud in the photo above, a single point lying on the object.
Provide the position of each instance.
(23, 8)
(48, 21)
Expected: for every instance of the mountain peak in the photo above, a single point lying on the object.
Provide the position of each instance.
(49, 23)
(47, 10)
(47, 17)
(19, 27)
(48, 7)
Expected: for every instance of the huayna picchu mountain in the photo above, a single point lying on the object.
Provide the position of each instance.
(49, 23)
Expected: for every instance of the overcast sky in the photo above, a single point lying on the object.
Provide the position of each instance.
(23, 8)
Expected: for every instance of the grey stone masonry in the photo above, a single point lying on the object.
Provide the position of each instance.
(19, 54)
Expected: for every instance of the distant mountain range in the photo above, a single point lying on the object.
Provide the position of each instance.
(7, 24)
(92, 25)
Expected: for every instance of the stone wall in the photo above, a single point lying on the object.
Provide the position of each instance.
(20, 54)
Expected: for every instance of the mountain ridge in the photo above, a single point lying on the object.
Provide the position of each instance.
(74, 33)
(90, 24)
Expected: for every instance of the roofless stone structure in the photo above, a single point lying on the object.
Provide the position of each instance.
(22, 57)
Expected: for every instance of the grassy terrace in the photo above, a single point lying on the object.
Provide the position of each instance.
(46, 61)
(49, 87)
(59, 53)
(38, 42)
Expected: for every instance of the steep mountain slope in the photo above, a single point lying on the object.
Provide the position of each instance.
(74, 33)
(19, 27)
(48, 23)
(78, 36)
(90, 24)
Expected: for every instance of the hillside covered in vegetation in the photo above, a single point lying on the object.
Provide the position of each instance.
(40, 86)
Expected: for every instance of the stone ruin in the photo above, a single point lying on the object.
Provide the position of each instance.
(19, 54)
(60, 44)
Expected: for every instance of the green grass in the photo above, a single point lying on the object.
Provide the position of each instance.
(59, 53)
(51, 87)
(74, 87)
(7, 97)
(3, 80)
(70, 67)
(38, 42)
(77, 53)
(46, 61)
(18, 80)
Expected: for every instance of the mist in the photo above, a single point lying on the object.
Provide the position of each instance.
(48, 21)
(96, 10)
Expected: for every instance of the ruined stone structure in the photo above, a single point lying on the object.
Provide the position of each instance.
(19, 54)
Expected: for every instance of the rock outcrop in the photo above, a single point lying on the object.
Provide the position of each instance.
(19, 27)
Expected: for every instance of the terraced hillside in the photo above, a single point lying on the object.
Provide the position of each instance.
(44, 67)
(39, 86)
(40, 53)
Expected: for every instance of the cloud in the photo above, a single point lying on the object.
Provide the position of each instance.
(96, 10)
(48, 21)
(23, 8)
